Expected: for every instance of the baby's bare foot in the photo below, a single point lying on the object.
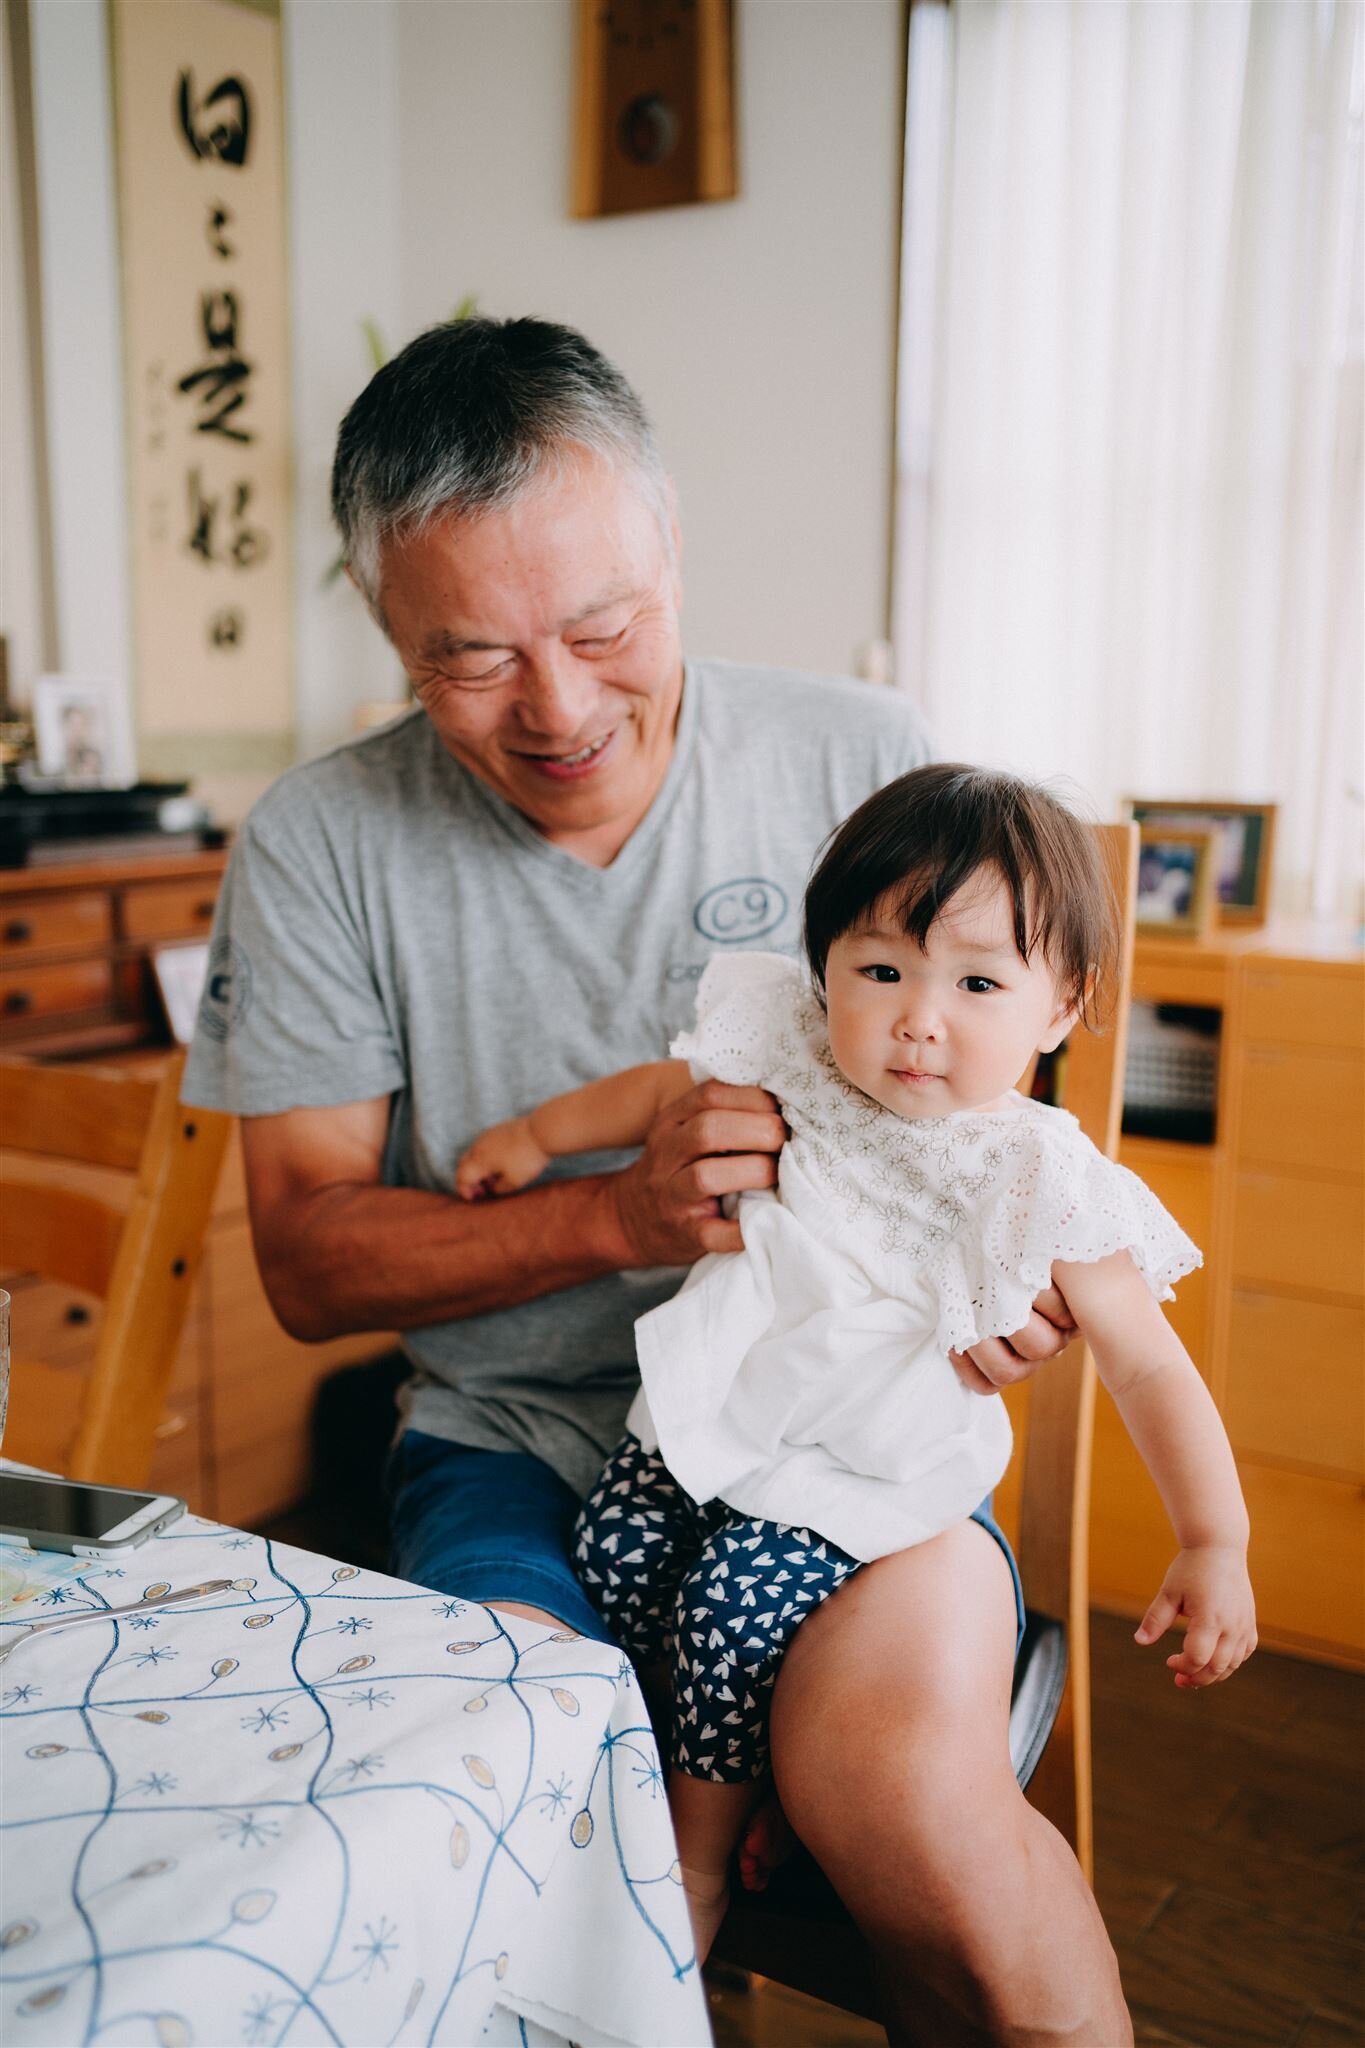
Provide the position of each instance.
(768, 1841)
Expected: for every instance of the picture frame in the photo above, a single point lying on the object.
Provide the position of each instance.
(80, 732)
(1176, 871)
(1244, 845)
(180, 973)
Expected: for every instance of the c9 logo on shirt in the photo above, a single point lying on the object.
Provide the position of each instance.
(736, 913)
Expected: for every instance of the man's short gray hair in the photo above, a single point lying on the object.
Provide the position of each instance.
(466, 418)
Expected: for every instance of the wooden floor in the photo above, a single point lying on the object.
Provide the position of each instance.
(1230, 1832)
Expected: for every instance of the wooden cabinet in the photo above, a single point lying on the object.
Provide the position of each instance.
(75, 946)
(32, 927)
(1297, 1391)
(1276, 1320)
(75, 980)
(160, 911)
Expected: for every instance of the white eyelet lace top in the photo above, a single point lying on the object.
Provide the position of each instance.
(806, 1378)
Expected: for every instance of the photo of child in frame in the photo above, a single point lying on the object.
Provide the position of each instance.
(75, 731)
(1176, 880)
(1243, 837)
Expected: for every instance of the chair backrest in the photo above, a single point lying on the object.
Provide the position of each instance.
(1045, 1504)
(134, 1237)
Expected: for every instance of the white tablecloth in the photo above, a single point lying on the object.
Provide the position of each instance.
(328, 1806)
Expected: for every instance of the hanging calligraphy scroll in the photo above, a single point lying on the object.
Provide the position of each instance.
(198, 97)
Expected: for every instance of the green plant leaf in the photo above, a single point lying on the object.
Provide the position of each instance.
(379, 354)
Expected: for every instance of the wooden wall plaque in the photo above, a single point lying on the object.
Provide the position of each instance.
(656, 105)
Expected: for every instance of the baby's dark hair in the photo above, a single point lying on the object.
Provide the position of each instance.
(916, 842)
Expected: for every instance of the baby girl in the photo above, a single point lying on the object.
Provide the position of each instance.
(799, 1415)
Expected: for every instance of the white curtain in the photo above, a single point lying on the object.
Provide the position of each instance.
(1129, 479)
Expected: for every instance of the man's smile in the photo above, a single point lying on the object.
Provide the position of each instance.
(568, 767)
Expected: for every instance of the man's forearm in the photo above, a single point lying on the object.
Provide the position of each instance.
(365, 1257)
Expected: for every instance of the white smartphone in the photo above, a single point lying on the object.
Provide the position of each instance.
(82, 1519)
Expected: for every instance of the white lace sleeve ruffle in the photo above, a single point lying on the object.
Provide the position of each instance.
(743, 1000)
(1064, 1200)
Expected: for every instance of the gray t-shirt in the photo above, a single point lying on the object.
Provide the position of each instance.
(390, 926)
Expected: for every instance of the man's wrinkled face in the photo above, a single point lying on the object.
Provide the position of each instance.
(543, 642)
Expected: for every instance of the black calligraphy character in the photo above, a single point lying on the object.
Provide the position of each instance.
(249, 544)
(226, 628)
(223, 135)
(222, 379)
(220, 218)
(203, 512)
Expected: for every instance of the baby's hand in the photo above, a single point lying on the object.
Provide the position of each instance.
(500, 1160)
(1210, 1587)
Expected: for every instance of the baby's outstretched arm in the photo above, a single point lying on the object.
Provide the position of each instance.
(1170, 1415)
(617, 1110)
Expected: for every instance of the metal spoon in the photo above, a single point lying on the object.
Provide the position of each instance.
(80, 1614)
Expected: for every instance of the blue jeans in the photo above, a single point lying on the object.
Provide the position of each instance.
(498, 1525)
(486, 1525)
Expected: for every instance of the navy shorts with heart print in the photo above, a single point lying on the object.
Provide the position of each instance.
(720, 1593)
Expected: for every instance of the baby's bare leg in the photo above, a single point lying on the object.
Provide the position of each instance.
(753, 1584)
(707, 1820)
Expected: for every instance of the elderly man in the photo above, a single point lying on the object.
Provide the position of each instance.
(506, 893)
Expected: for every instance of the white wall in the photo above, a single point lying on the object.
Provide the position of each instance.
(428, 148)
(759, 331)
(21, 571)
(82, 347)
(342, 124)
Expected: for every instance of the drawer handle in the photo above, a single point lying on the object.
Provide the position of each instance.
(77, 1313)
(203, 912)
(173, 1425)
(18, 932)
(17, 1002)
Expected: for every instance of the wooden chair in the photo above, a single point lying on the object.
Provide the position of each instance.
(797, 1932)
(107, 1186)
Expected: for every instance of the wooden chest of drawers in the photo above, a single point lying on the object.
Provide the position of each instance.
(76, 981)
(75, 945)
(1276, 1321)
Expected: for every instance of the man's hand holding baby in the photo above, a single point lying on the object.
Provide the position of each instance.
(998, 1362)
(699, 1144)
(712, 1141)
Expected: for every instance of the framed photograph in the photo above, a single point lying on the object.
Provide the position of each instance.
(1175, 893)
(180, 972)
(1244, 838)
(80, 732)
